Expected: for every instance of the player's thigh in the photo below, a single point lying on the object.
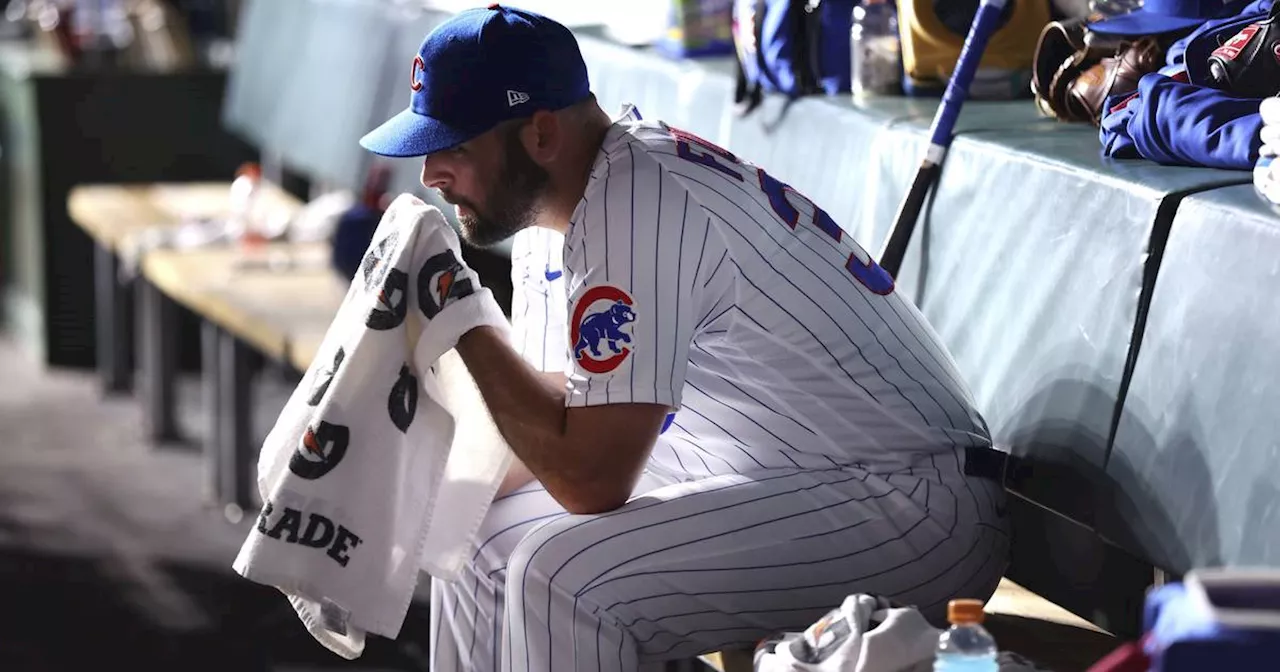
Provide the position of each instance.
(510, 518)
(513, 516)
(730, 559)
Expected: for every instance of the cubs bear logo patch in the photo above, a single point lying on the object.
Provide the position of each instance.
(598, 328)
(392, 302)
(440, 281)
(402, 403)
(324, 378)
(321, 449)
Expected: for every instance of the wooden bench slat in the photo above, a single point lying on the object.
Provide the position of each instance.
(110, 213)
(262, 307)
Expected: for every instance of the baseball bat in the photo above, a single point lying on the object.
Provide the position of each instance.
(984, 24)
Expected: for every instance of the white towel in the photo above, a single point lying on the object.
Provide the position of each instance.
(365, 477)
(866, 633)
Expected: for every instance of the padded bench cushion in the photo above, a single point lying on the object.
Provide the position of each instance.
(1196, 464)
(1029, 263)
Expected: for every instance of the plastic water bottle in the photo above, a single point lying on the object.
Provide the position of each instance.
(243, 225)
(966, 646)
(876, 49)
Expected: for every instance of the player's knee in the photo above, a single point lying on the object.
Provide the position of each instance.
(539, 561)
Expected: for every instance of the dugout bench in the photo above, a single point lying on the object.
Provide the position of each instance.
(1194, 471)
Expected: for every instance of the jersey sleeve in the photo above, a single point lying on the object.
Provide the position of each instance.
(538, 311)
(632, 259)
(1170, 121)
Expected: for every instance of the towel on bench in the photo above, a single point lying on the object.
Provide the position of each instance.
(365, 477)
(866, 633)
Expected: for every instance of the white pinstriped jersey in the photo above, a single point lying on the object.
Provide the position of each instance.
(691, 278)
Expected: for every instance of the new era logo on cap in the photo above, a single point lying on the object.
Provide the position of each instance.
(516, 97)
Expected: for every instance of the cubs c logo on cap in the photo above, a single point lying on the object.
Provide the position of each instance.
(596, 328)
(415, 76)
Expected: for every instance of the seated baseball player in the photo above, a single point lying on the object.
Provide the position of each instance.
(728, 419)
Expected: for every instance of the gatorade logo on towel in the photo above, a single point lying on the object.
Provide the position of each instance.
(319, 531)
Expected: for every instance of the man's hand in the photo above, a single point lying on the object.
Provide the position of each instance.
(448, 294)
(588, 459)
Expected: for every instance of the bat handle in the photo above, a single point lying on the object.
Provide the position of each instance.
(975, 44)
(895, 247)
(944, 121)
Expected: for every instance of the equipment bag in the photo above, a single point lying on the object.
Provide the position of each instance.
(793, 47)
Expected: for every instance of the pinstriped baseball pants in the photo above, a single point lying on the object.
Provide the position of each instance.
(721, 562)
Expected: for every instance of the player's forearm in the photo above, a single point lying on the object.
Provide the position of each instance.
(517, 477)
(529, 411)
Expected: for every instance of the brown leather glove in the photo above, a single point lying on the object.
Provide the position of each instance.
(1113, 76)
(1075, 70)
(1059, 41)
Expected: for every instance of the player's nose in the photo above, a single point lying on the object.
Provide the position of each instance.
(436, 173)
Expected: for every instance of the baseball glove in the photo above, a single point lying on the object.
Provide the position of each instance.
(1076, 70)
(1248, 64)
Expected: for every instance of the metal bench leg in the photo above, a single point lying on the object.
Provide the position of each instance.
(236, 454)
(114, 335)
(211, 400)
(157, 324)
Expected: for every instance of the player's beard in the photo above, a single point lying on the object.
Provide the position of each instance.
(513, 199)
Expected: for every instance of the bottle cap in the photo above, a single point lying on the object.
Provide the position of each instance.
(965, 611)
(249, 169)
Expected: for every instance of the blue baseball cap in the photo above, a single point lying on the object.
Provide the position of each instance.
(478, 69)
(1165, 16)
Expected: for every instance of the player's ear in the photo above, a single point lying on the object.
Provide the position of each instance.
(543, 137)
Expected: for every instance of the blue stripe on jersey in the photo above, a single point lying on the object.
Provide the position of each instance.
(773, 233)
(858, 476)
(608, 166)
(844, 477)
(716, 269)
(748, 395)
(675, 333)
(693, 441)
(596, 519)
(853, 284)
(546, 315)
(675, 453)
(734, 440)
(786, 288)
(852, 378)
(632, 266)
(750, 419)
(711, 319)
(858, 348)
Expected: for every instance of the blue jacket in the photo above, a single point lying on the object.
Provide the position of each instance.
(1173, 118)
